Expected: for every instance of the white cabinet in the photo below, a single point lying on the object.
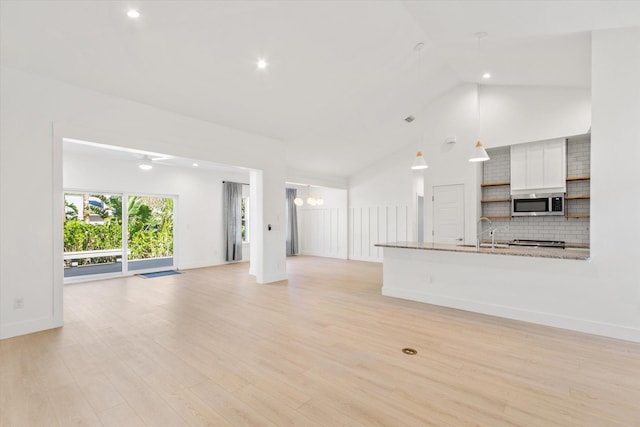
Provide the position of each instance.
(555, 165)
(539, 167)
(535, 166)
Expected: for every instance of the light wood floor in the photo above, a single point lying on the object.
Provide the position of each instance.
(210, 347)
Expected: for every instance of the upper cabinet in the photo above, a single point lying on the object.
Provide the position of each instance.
(539, 167)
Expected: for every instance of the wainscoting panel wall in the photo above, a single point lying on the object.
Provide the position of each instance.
(376, 224)
(320, 231)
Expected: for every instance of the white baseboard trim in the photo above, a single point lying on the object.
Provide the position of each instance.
(274, 278)
(355, 258)
(14, 329)
(322, 255)
(547, 319)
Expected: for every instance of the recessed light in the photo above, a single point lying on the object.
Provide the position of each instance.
(262, 63)
(195, 165)
(486, 76)
(133, 14)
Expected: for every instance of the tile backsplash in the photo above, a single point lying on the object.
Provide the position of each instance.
(579, 156)
(571, 230)
(543, 228)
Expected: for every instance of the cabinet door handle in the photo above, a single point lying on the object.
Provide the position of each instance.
(459, 239)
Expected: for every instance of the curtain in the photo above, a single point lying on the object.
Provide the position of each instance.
(232, 206)
(292, 222)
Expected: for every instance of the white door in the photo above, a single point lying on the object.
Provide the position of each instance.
(448, 214)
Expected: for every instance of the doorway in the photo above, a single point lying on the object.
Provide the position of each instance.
(111, 234)
(448, 214)
(149, 232)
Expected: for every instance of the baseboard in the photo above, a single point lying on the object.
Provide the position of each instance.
(193, 266)
(322, 255)
(540, 318)
(15, 329)
(355, 258)
(274, 278)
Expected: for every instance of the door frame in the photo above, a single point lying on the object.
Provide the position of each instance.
(125, 229)
(433, 202)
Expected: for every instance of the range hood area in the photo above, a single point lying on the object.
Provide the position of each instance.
(537, 194)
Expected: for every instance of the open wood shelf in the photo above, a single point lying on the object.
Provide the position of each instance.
(494, 200)
(577, 197)
(494, 184)
(496, 216)
(578, 178)
(578, 216)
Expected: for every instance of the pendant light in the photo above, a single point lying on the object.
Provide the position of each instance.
(419, 162)
(479, 153)
(311, 201)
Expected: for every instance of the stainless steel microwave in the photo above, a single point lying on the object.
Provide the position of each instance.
(537, 204)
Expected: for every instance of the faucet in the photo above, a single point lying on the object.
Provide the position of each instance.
(479, 232)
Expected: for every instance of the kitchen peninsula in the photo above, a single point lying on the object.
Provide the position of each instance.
(499, 249)
(511, 282)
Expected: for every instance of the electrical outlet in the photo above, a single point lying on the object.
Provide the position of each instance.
(18, 303)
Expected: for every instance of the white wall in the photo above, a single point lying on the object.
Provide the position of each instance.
(383, 194)
(513, 115)
(600, 296)
(327, 181)
(199, 229)
(322, 230)
(615, 176)
(380, 202)
(36, 113)
(369, 225)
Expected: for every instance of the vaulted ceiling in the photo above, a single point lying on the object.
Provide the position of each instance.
(342, 75)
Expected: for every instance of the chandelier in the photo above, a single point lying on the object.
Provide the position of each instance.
(311, 201)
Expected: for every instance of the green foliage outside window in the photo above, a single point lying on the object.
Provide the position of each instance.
(81, 236)
(150, 227)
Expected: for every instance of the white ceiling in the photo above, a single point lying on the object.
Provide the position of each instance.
(134, 157)
(342, 75)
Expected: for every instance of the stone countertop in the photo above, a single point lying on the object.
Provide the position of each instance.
(570, 253)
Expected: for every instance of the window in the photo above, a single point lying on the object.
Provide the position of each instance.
(92, 233)
(98, 241)
(245, 220)
(150, 229)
